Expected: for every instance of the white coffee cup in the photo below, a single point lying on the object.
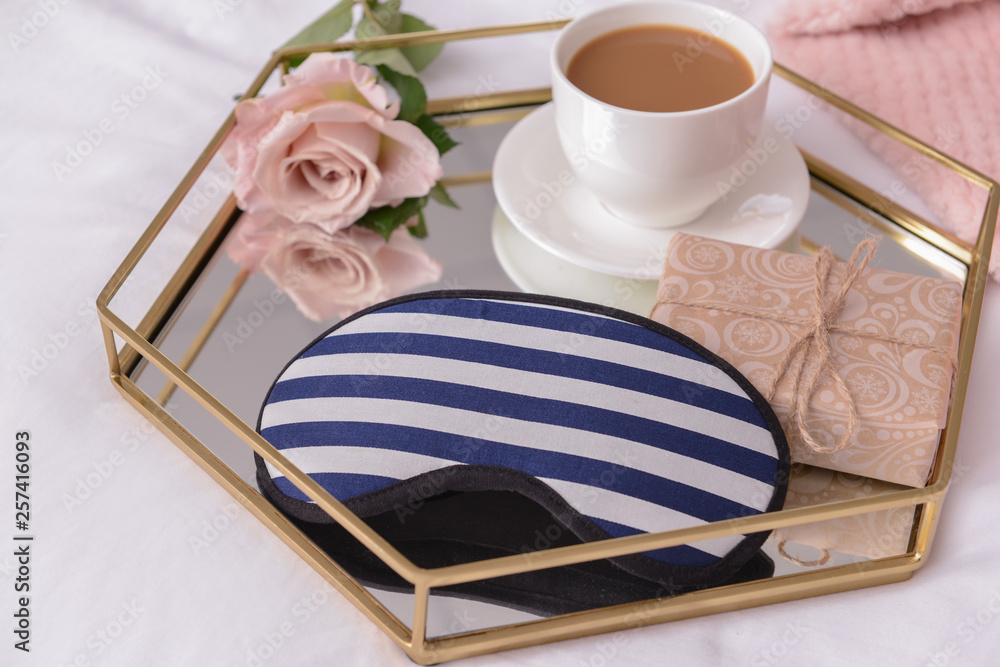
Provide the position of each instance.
(658, 169)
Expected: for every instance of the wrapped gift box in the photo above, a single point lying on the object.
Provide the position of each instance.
(871, 535)
(867, 380)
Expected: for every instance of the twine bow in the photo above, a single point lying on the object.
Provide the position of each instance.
(826, 310)
(819, 325)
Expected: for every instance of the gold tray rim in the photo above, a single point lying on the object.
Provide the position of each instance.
(139, 345)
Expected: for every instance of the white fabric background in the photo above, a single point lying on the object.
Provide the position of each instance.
(124, 554)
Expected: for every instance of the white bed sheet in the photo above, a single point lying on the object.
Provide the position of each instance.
(123, 570)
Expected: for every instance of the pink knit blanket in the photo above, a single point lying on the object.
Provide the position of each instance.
(930, 67)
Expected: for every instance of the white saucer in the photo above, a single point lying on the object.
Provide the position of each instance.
(763, 211)
(534, 269)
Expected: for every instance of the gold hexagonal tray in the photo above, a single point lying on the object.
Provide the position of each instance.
(189, 323)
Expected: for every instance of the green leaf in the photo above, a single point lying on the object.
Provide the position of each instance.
(419, 56)
(386, 219)
(327, 28)
(412, 96)
(437, 134)
(392, 58)
(387, 15)
(366, 30)
(419, 230)
(441, 195)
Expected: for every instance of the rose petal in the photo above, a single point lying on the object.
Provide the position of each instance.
(253, 237)
(291, 184)
(333, 178)
(409, 162)
(255, 120)
(330, 184)
(362, 139)
(326, 275)
(404, 264)
(340, 78)
(346, 170)
(342, 186)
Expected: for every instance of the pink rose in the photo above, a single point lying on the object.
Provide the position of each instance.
(332, 275)
(324, 148)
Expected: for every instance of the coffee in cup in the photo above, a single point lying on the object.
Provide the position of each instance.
(655, 102)
(718, 72)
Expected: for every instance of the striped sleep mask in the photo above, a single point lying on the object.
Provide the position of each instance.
(464, 425)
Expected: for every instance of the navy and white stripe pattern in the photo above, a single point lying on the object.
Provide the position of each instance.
(635, 430)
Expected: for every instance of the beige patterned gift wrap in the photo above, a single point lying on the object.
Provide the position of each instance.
(856, 361)
(872, 535)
